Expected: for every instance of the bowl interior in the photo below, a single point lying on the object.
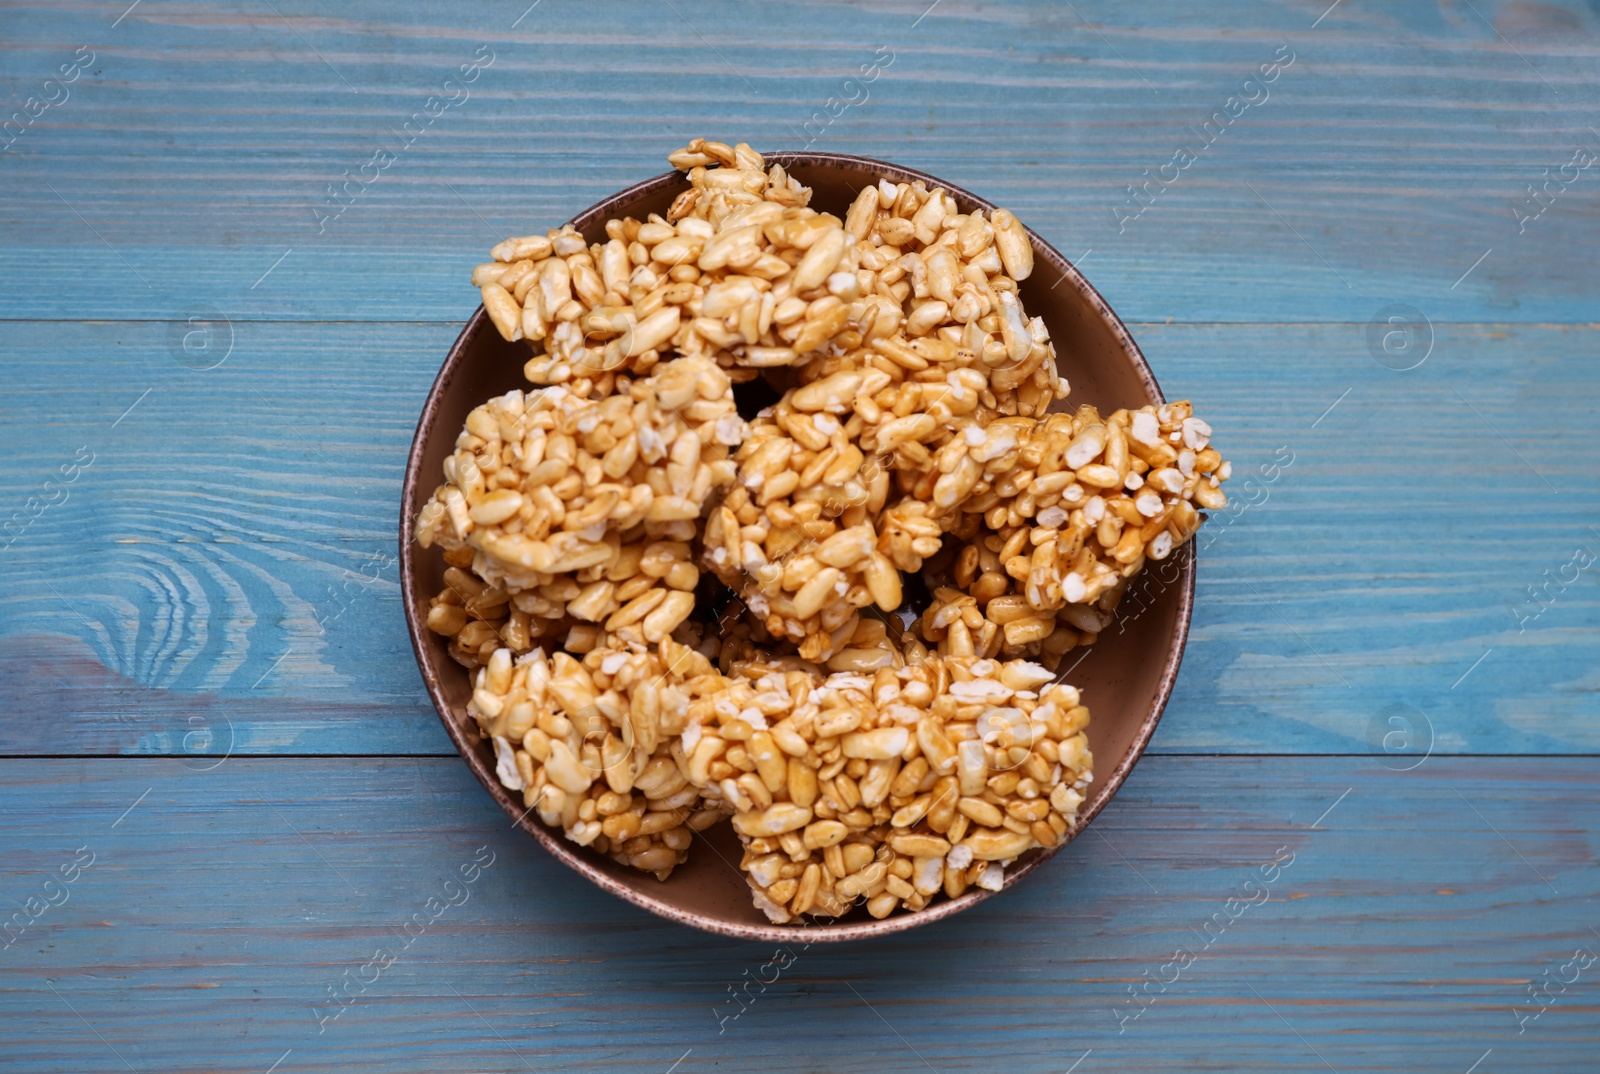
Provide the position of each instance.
(1126, 677)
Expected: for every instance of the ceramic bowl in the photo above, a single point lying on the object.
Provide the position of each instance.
(1126, 677)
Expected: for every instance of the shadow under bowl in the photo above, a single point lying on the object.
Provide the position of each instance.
(1126, 677)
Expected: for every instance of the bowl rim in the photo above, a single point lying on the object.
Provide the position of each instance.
(568, 853)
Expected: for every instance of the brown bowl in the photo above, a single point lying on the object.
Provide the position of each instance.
(1126, 677)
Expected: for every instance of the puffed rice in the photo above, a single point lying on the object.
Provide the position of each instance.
(861, 760)
(588, 744)
(1053, 530)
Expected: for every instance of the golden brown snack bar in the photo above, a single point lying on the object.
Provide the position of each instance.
(863, 754)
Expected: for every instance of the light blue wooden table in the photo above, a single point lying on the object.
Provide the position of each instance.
(222, 787)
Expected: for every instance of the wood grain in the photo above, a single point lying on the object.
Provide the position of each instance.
(218, 911)
(1383, 162)
(233, 566)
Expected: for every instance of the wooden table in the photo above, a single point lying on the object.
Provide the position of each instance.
(223, 788)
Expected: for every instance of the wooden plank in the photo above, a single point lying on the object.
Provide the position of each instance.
(1398, 932)
(1367, 577)
(227, 571)
(1379, 166)
(231, 540)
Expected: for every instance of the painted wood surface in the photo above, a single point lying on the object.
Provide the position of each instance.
(226, 575)
(1377, 167)
(1399, 930)
(211, 365)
